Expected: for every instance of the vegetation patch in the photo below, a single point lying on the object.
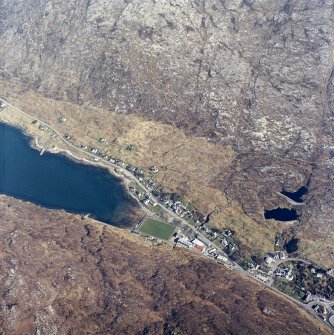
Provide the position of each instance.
(156, 228)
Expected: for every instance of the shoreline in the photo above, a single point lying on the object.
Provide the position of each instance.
(35, 145)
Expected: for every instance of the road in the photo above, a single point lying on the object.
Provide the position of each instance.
(130, 176)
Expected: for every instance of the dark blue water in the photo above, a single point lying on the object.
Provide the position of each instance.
(296, 196)
(55, 181)
(281, 214)
(292, 245)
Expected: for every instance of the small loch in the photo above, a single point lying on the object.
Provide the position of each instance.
(296, 196)
(281, 214)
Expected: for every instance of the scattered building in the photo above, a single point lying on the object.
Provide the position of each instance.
(307, 297)
(222, 258)
(3, 104)
(103, 141)
(224, 242)
(253, 266)
(119, 162)
(265, 271)
(322, 311)
(199, 245)
(227, 232)
(284, 273)
(43, 127)
(183, 240)
(280, 255)
(270, 258)
(153, 169)
(212, 251)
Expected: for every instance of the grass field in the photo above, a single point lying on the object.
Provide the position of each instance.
(157, 229)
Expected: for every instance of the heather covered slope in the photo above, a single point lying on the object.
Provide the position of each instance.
(64, 275)
(255, 77)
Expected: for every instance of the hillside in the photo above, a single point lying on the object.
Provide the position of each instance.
(64, 275)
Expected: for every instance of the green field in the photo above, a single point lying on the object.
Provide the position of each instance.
(157, 229)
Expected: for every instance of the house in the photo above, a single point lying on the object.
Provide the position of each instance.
(199, 242)
(119, 162)
(253, 266)
(103, 140)
(280, 255)
(307, 297)
(265, 270)
(212, 251)
(213, 233)
(288, 275)
(199, 245)
(224, 242)
(222, 258)
(321, 310)
(276, 241)
(131, 168)
(184, 241)
(62, 119)
(285, 273)
(94, 150)
(231, 247)
(270, 258)
(227, 232)
(139, 172)
(154, 169)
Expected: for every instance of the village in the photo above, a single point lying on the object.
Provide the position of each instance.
(190, 231)
(169, 219)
